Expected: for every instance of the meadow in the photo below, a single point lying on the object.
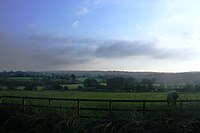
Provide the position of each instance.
(94, 95)
(72, 86)
(99, 95)
(136, 122)
(18, 78)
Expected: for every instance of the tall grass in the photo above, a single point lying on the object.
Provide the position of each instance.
(14, 119)
(31, 120)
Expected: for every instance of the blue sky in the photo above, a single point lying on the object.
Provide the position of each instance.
(130, 35)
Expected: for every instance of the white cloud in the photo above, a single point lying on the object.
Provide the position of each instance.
(83, 11)
(76, 24)
(96, 2)
(176, 26)
(86, 7)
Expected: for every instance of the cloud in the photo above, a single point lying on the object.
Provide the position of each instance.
(87, 6)
(102, 48)
(124, 48)
(96, 2)
(83, 11)
(176, 24)
(120, 49)
(43, 52)
(39, 52)
(76, 24)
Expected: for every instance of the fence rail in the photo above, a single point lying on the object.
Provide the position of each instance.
(78, 102)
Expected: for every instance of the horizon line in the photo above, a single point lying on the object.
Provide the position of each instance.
(128, 71)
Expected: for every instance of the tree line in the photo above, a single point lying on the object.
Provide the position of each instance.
(120, 83)
(134, 85)
(46, 82)
(114, 83)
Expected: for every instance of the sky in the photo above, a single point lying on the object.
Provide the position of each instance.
(121, 35)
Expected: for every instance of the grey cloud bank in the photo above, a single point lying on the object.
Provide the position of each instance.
(122, 48)
(43, 52)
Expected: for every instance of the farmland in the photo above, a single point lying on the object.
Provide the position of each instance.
(128, 110)
(98, 95)
(86, 100)
(95, 95)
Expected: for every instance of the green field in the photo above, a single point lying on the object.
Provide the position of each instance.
(72, 86)
(98, 95)
(19, 78)
(98, 79)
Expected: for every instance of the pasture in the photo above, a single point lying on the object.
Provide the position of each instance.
(121, 110)
(98, 79)
(18, 78)
(99, 95)
(95, 95)
(72, 86)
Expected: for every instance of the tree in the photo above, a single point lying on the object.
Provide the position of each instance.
(197, 87)
(11, 86)
(73, 78)
(79, 87)
(188, 87)
(116, 83)
(66, 88)
(53, 86)
(130, 83)
(30, 87)
(90, 83)
(161, 87)
(148, 84)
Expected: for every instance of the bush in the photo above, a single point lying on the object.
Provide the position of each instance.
(66, 88)
(30, 87)
(53, 87)
(11, 86)
(90, 83)
(79, 87)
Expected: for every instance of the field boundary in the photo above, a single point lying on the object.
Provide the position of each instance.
(78, 107)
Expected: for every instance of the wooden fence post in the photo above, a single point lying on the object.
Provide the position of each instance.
(49, 105)
(23, 103)
(1, 101)
(181, 103)
(78, 107)
(144, 107)
(110, 109)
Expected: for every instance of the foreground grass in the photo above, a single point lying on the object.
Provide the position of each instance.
(58, 121)
(166, 120)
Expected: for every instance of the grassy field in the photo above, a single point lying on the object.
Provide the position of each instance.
(98, 79)
(98, 95)
(72, 86)
(19, 78)
(95, 95)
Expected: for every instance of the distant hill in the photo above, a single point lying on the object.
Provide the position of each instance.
(166, 78)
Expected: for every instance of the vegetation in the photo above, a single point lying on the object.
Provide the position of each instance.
(15, 119)
(41, 121)
(90, 83)
(76, 85)
(85, 82)
(99, 95)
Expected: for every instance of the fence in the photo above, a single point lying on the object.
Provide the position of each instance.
(78, 102)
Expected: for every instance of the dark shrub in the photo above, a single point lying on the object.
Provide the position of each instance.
(79, 87)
